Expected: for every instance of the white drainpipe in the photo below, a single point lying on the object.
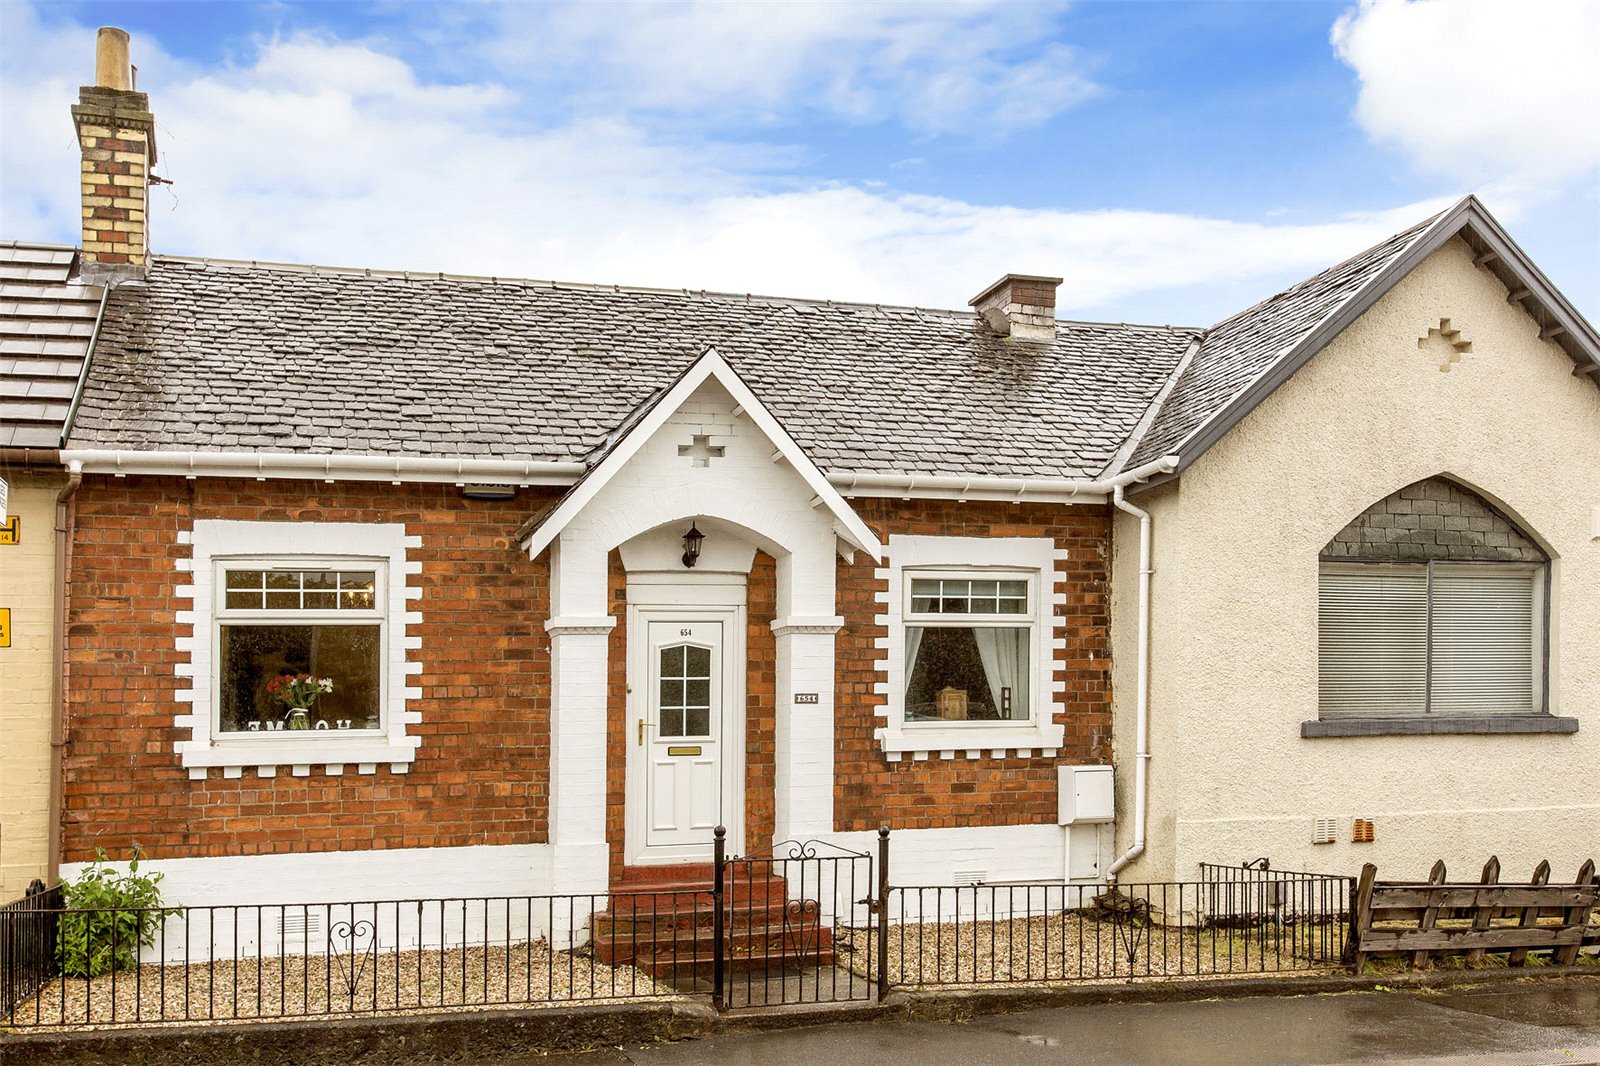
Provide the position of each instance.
(1141, 773)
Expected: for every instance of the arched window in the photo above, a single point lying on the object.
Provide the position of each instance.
(1431, 618)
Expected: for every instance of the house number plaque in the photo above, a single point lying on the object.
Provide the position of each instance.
(805, 697)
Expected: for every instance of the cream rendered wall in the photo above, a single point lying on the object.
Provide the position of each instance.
(1235, 643)
(27, 572)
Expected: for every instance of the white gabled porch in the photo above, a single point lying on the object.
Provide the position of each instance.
(706, 456)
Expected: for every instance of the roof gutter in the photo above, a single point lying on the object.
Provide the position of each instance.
(298, 465)
(395, 468)
(1044, 490)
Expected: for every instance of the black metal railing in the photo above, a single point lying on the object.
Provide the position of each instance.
(28, 942)
(814, 922)
(1017, 933)
(257, 961)
(1253, 893)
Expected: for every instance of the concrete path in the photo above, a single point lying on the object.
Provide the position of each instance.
(1490, 1026)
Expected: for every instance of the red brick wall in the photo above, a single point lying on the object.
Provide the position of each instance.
(869, 790)
(481, 772)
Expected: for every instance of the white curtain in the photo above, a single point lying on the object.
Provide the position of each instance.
(1005, 665)
(913, 645)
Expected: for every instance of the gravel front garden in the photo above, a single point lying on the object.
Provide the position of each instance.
(1071, 947)
(406, 982)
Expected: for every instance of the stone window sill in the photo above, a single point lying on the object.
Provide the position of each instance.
(1432, 726)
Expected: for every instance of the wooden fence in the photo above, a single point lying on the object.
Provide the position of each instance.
(1425, 921)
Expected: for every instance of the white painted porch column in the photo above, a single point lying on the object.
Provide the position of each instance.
(803, 740)
(579, 631)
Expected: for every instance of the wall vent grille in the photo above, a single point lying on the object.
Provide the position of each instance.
(300, 928)
(1324, 830)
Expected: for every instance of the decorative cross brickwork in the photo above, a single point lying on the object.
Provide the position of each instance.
(700, 451)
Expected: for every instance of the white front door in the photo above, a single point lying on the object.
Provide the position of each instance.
(682, 787)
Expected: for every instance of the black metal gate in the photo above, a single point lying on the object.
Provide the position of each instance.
(803, 925)
(28, 943)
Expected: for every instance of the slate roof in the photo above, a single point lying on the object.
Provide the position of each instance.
(45, 327)
(212, 355)
(231, 356)
(1237, 351)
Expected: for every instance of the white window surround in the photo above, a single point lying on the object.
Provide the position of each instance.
(214, 542)
(1034, 557)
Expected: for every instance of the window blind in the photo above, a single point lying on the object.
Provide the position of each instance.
(1372, 641)
(1377, 644)
(1483, 642)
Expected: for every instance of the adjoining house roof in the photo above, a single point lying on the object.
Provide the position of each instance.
(45, 328)
(1242, 359)
(245, 357)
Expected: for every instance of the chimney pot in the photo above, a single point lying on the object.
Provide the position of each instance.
(1020, 306)
(113, 69)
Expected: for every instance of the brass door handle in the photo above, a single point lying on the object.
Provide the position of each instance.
(641, 731)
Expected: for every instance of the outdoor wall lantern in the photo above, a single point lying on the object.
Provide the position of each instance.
(691, 545)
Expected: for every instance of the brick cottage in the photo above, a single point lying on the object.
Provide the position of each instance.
(590, 570)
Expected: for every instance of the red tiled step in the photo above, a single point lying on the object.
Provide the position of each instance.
(741, 938)
(770, 960)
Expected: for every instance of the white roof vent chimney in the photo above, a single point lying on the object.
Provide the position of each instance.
(1020, 306)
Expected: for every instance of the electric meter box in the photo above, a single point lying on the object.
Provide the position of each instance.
(1086, 794)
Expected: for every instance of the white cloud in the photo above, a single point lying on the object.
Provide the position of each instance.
(320, 150)
(932, 66)
(1482, 91)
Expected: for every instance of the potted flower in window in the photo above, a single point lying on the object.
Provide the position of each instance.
(298, 692)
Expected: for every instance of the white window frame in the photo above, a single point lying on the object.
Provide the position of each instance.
(1539, 579)
(1031, 559)
(223, 616)
(221, 545)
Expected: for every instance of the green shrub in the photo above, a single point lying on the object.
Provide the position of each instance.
(109, 916)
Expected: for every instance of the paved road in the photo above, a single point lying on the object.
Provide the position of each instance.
(1483, 1027)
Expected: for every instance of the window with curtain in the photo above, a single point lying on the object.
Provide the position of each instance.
(1436, 638)
(967, 648)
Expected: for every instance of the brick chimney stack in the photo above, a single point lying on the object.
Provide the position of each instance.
(1020, 306)
(116, 133)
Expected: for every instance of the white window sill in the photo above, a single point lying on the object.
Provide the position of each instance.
(331, 752)
(972, 741)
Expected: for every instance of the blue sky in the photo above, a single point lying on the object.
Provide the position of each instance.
(1174, 161)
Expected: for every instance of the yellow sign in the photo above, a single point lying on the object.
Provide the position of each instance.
(11, 532)
(5, 627)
